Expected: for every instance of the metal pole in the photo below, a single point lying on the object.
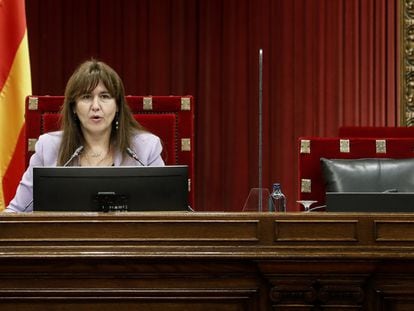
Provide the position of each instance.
(260, 128)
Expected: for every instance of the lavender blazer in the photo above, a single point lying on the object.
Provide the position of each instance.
(146, 145)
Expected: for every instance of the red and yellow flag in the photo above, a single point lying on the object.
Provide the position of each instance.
(15, 85)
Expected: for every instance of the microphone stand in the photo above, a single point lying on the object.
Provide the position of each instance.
(74, 155)
(133, 155)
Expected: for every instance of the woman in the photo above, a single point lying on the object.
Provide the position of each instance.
(98, 129)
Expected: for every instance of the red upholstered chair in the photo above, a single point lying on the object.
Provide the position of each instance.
(169, 117)
(311, 149)
(376, 131)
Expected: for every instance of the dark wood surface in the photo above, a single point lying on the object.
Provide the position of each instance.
(206, 261)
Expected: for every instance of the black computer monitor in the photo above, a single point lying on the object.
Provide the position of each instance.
(124, 188)
(370, 202)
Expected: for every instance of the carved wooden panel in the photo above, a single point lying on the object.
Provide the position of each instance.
(333, 291)
(407, 67)
(207, 261)
(393, 292)
(320, 230)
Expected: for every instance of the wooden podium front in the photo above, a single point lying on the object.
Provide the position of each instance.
(206, 261)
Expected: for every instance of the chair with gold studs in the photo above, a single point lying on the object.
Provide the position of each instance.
(169, 117)
(311, 179)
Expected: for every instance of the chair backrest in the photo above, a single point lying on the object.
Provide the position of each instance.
(311, 149)
(169, 117)
(376, 131)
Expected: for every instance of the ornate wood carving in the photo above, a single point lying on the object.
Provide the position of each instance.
(407, 30)
(207, 261)
(337, 290)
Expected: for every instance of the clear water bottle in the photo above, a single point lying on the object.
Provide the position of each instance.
(277, 199)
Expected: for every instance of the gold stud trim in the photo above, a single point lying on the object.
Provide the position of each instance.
(381, 146)
(305, 146)
(185, 103)
(344, 146)
(31, 142)
(185, 144)
(305, 185)
(147, 103)
(33, 103)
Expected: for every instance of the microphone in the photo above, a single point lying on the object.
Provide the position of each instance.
(133, 155)
(315, 208)
(74, 155)
(27, 206)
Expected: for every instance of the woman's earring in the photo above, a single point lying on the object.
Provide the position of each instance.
(117, 121)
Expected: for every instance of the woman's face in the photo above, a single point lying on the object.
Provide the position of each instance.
(96, 111)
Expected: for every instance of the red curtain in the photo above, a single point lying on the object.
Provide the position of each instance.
(327, 63)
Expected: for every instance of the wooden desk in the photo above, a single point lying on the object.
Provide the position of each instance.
(206, 261)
